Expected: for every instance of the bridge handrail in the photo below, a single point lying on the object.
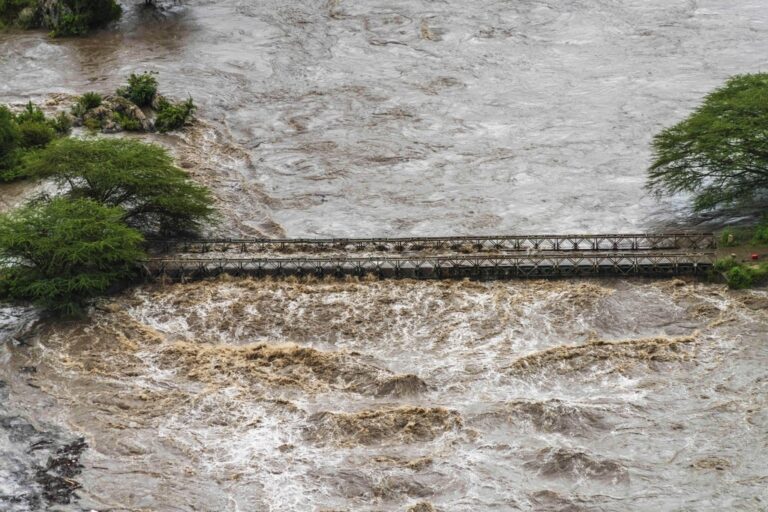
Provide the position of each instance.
(583, 236)
(687, 256)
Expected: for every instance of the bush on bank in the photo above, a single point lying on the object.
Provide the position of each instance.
(61, 253)
(61, 17)
(131, 108)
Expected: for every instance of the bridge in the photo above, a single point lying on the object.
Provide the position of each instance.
(485, 257)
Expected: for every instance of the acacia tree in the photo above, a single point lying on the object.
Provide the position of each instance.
(61, 253)
(720, 152)
(155, 195)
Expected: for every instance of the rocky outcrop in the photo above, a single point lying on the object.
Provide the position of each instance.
(115, 114)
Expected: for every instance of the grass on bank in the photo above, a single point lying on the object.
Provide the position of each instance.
(736, 247)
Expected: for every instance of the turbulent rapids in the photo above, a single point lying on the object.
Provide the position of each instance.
(240, 394)
(381, 118)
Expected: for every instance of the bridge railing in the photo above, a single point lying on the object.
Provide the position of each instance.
(499, 266)
(456, 244)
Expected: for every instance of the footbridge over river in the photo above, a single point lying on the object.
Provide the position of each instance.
(475, 257)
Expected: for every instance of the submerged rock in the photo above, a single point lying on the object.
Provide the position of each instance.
(115, 114)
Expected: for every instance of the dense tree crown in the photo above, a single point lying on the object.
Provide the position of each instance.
(61, 253)
(720, 152)
(155, 195)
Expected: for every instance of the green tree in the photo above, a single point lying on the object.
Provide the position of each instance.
(156, 196)
(60, 254)
(720, 152)
(9, 139)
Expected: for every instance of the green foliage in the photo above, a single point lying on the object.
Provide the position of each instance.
(31, 113)
(739, 277)
(78, 17)
(140, 178)
(720, 152)
(9, 136)
(61, 253)
(23, 132)
(725, 264)
(127, 123)
(728, 238)
(92, 124)
(35, 134)
(141, 89)
(172, 116)
(760, 235)
(62, 123)
(90, 100)
(11, 11)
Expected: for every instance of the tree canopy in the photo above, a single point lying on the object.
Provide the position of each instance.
(720, 152)
(60, 253)
(155, 195)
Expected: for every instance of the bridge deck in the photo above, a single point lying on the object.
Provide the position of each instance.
(491, 257)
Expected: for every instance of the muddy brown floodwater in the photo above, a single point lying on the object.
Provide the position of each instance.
(372, 118)
(377, 395)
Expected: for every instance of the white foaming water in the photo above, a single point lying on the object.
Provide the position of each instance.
(234, 428)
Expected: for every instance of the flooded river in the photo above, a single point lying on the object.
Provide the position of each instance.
(341, 118)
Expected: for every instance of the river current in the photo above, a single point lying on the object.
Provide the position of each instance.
(365, 118)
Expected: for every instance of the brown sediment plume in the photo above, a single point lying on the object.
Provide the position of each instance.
(717, 463)
(423, 506)
(287, 365)
(382, 426)
(416, 464)
(546, 416)
(753, 301)
(578, 357)
(566, 463)
(304, 309)
(107, 345)
(550, 501)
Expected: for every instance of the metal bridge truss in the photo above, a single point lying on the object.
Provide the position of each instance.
(425, 267)
(462, 245)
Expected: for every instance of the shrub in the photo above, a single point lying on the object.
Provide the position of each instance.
(725, 264)
(739, 277)
(93, 124)
(35, 134)
(61, 253)
(727, 238)
(11, 11)
(746, 276)
(172, 116)
(78, 109)
(760, 235)
(9, 133)
(90, 100)
(156, 196)
(9, 142)
(141, 89)
(32, 113)
(78, 17)
(62, 123)
(127, 123)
